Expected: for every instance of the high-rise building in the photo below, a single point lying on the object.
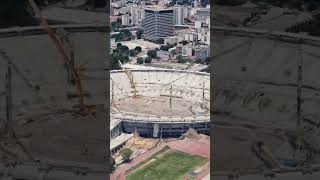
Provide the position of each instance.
(202, 14)
(158, 23)
(137, 15)
(178, 14)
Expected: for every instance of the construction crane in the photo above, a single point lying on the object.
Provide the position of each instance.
(8, 60)
(67, 57)
(133, 86)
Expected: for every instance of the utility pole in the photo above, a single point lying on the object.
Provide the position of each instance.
(112, 99)
(299, 114)
(203, 92)
(9, 124)
(171, 97)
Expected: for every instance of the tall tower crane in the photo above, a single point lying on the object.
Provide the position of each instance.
(67, 57)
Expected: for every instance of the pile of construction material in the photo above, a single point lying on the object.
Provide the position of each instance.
(190, 134)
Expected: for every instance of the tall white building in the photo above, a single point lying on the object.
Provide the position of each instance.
(179, 15)
(139, 13)
(125, 19)
(186, 50)
(180, 12)
(202, 14)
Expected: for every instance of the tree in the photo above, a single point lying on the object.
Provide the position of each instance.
(133, 52)
(123, 35)
(112, 162)
(184, 42)
(125, 154)
(119, 20)
(139, 34)
(140, 60)
(152, 53)
(115, 25)
(160, 41)
(148, 59)
(164, 47)
(207, 60)
(199, 61)
(119, 45)
(181, 59)
(116, 50)
(115, 63)
(138, 48)
(125, 48)
(204, 3)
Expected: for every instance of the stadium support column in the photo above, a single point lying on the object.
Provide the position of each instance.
(155, 130)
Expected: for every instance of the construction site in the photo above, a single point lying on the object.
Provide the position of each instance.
(52, 97)
(264, 103)
(152, 107)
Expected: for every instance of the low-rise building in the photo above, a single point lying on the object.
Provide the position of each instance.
(201, 52)
(125, 19)
(198, 24)
(164, 55)
(171, 40)
(187, 50)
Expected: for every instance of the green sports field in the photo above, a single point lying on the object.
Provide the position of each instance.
(172, 166)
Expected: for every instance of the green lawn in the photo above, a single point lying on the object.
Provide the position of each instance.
(148, 159)
(172, 166)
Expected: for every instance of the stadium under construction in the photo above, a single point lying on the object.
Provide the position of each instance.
(158, 103)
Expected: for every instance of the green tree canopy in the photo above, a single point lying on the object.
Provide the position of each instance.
(112, 162)
(140, 60)
(126, 153)
(119, 45)
(138, 48)
(152, 53)
(181, 59)
(148, 59)
(139, 34)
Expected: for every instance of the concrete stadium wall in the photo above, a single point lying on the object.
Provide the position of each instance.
(165, 130)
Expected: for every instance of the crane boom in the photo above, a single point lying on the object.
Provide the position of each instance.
(64, 53)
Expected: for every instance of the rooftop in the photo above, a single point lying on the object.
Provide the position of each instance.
(122, 138)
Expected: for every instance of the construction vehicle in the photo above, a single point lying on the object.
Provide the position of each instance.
(67, 57)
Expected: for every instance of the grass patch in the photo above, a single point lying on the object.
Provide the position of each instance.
(148, 159)
(174, 166)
